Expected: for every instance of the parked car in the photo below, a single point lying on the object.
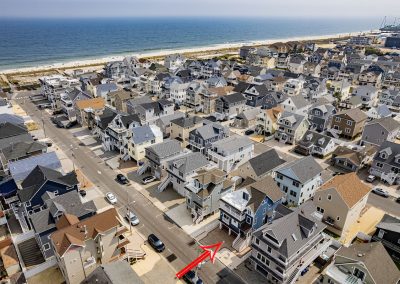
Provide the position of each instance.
(111, 198)
(148, 179)
(192, 278)
(71, 124)
(371, 178)
(249, 132)
(82, 192)
(132, 218)
(156, 243)
(122, 179)
(380, 191)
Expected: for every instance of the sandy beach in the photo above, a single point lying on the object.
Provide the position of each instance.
(206, 49)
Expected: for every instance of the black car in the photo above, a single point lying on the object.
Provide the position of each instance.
(122, 179)
(192, 278)
(156, 243)
(249, 132)
(82, 192)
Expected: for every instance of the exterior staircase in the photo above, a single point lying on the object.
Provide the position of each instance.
(240, 243)
(30, 253)
(143, 168)
(292, 278)
(164, 183)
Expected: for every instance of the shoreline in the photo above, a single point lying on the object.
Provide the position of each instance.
(78, 64)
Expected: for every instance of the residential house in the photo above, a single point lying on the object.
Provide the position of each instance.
(68, 100)
(204, 192)
(314, 88)
(291, 127)
(391, 98)
(141, 138)
(181, 127)
(246, 119)
(299, 179)
(231, 152)
(55, 206)
(296, 104)
(380, 130)
(341, 88)
(53, 86)
(370, 78)
(118, 99)
(261, 165)
(149, 112)
(273, 99)
(177, 92)
(386, 163)
(341, 201)
(13, 133)
(293, 87)
(316, 144)
(181, 171)
(348, 123)
(174, 61)
(209, 99)
(255, 94)
(320, 116)
(201, 138)
(165, 122)
(282, 60)
(86, 109)
(388, 233)
(290, 242)
(100, 122)
(361, 263)
(116, 272)
(380, 111)
(104, 90)
(267, 119)
(391, 80)
(246, 209)
(81, 246)
(117, 132)
(230, 105)
(368, 95)
(296, 63)
(312, 69)
(352, 159)
(352, 102)
(19, 151)
(158, 155)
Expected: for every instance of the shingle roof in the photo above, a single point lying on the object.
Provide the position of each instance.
(266, 162)
(268, 187)
(349, 187)
(232, 143)
(376, 260)
(190, 162)
(389, 223)
(187, 122)
(387, 122)
(234, 98)
(166, 148)
(116, 272)
(302, 169)
(355, 113)
(143, 133)
(21, 149)
(292, 223)
(8, 129)
(87, 229)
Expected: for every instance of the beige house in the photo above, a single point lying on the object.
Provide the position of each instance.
(266, 120)
(340, 201)
(86, 108)
(141, 138)
(181, 127)
(268, 62)
(81, 246)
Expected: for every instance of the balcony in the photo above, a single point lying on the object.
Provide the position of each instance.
(89, 262)
(121, 231)
(240, 216)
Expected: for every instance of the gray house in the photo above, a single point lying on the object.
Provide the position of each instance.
(230, 105)
(291, 127)
(320, 116)
(200, 139)
(204, 192)
(288, 244)
(316, 144)
(386, 163)
(380, 130)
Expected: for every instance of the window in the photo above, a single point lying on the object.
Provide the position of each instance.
(269, 249)
(46, 246)
(293, 193)
(329, 197)
(359, 274)
(295, 183)
(337, 218)
(349, 123)
(285, 188)
(279, 176)
(257, 241)
(337, 119)
(379, 165)
(347, 130)
(321, 210)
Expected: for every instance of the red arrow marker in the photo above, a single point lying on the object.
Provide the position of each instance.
(209, 251)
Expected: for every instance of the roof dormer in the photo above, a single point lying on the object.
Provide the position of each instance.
(385, 153)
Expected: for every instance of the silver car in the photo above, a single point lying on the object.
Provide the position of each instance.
(132, 218)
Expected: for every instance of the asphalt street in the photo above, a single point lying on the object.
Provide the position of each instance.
(181, 249)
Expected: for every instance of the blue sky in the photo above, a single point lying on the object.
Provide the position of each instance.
(227, 8)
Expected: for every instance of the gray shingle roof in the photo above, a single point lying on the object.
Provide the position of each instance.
(389, 223)
(302, 169)
(21, 149)
(142, 134)
(166, 148)
(232, 143)
(209, 130)
(190, 162)
(266, 162)
(117, 272)
(8, 129)
(387, 122)
(234, 98)
(290, 223)
(187, 122)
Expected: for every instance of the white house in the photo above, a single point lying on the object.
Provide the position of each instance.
(177, 92)
(142, 137)
(231, 152)
(299, 179)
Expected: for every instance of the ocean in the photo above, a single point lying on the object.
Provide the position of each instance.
(33, 42)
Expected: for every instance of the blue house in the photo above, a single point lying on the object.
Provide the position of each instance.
(41, 181)
(248, 208)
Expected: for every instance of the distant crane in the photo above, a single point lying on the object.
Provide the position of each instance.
(383, 23)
